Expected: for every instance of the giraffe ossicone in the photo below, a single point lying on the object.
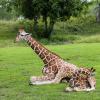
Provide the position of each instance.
(55, 68)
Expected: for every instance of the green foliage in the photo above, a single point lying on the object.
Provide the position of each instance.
(7, 30)
(64, 38)
(25, 7)
(4, 14)
(50, 10)
(81, 29)
(7, 9)
(79, 25)
(28, 25)
(89, 39)
(77, 29)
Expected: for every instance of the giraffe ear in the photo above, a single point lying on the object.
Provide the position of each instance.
(94, 70)
(91, 68)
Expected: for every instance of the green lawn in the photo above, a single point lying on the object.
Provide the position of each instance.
(17, 64)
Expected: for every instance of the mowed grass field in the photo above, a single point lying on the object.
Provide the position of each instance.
(18, 63)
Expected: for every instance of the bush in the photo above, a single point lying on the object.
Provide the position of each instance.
(64, 38)
(36, 31)
(81, 29)
(89, 39)
(28, 25)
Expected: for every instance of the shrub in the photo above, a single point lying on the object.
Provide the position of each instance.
(28, 25)
(64, 38)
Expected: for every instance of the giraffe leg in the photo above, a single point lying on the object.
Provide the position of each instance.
(48, 79)
(39, 80)
(69, 89)
(92, 83)
(76, 89)
(85, 89)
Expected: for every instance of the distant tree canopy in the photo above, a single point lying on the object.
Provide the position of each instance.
(49, 10)
(7, 9)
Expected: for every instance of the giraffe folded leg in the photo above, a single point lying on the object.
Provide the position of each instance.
(39, 80)
(42, 82)
(77, 89)
(49, 79)
(86, 89)
(92, 83)
(69, 89)
(90, 89)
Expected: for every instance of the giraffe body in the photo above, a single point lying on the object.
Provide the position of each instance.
(54, 65)
(55, 68)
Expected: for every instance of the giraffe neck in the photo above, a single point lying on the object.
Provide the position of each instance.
(41, 51)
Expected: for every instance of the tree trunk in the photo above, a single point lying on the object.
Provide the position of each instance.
(98, 17)
(46, 25)
(48, 28)
(35, 24)
(98, 14)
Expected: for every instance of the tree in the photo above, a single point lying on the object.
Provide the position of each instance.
(50, 10)
(8, 8)
(4, 9)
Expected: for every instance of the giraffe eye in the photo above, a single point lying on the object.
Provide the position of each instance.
(22, 35)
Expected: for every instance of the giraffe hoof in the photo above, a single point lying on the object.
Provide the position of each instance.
(30, 83)
(32, 79)
(68, 89)
(90, 89)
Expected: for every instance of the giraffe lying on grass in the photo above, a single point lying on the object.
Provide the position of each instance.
(55, 68)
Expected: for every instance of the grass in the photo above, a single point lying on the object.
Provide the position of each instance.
(7, 30)
(89, 39)
(18, 63)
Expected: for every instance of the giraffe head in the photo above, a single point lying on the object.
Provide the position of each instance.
(22, 35)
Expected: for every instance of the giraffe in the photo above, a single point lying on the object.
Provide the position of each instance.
(55, 68)
(80, 80)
